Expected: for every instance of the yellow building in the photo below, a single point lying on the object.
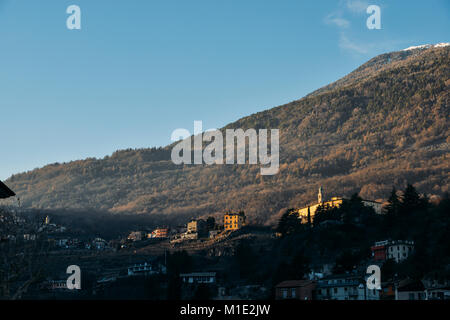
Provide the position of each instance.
(303, 212)
(233, 221)
(310, 210)
(196, 226)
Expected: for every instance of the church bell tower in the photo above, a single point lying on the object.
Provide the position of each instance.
(320, 195)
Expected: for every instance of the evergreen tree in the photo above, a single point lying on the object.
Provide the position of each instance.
(354, 210)
(425, 202)
(346, 261)
(289, 222)
(322, 214)
(394, 204)
(246, 259)
(300, 266)
(411, 200)
(309, 218)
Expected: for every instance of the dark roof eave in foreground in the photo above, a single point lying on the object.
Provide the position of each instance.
(5, 192)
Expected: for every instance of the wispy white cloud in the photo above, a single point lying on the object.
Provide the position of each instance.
(357, 6)
(346, 44)
(339, 20)
(366, 47)
(336, 19)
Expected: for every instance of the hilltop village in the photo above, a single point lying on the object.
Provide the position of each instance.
(320, 251)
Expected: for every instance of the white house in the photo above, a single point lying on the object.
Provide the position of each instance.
(345, 287)
(198, 277)
(399, 250)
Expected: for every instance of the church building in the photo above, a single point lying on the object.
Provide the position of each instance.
(310, 211)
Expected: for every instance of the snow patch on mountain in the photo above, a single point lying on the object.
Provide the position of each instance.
(427, 46)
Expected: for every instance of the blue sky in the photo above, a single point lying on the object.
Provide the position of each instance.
(139, 69)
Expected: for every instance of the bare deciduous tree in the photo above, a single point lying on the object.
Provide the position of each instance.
(23, 250)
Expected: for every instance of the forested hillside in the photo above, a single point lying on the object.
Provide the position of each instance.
(383, 125)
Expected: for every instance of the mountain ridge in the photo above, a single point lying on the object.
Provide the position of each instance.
(331, 137)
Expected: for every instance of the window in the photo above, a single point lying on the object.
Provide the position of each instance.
(284, 293)
(293, 293)
(335, 290)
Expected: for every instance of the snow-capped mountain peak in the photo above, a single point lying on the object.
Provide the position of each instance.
(427, 46)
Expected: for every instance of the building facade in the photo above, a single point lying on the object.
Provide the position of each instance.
(136, 236)
(197, 226)
(345, 287)
(295, 289)
(233, 221)
(379, 251)
(307, 213)
(442, 293)
(409, 289)
(398, 250)
(146, 268)
(198, 278)
(159, 233)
